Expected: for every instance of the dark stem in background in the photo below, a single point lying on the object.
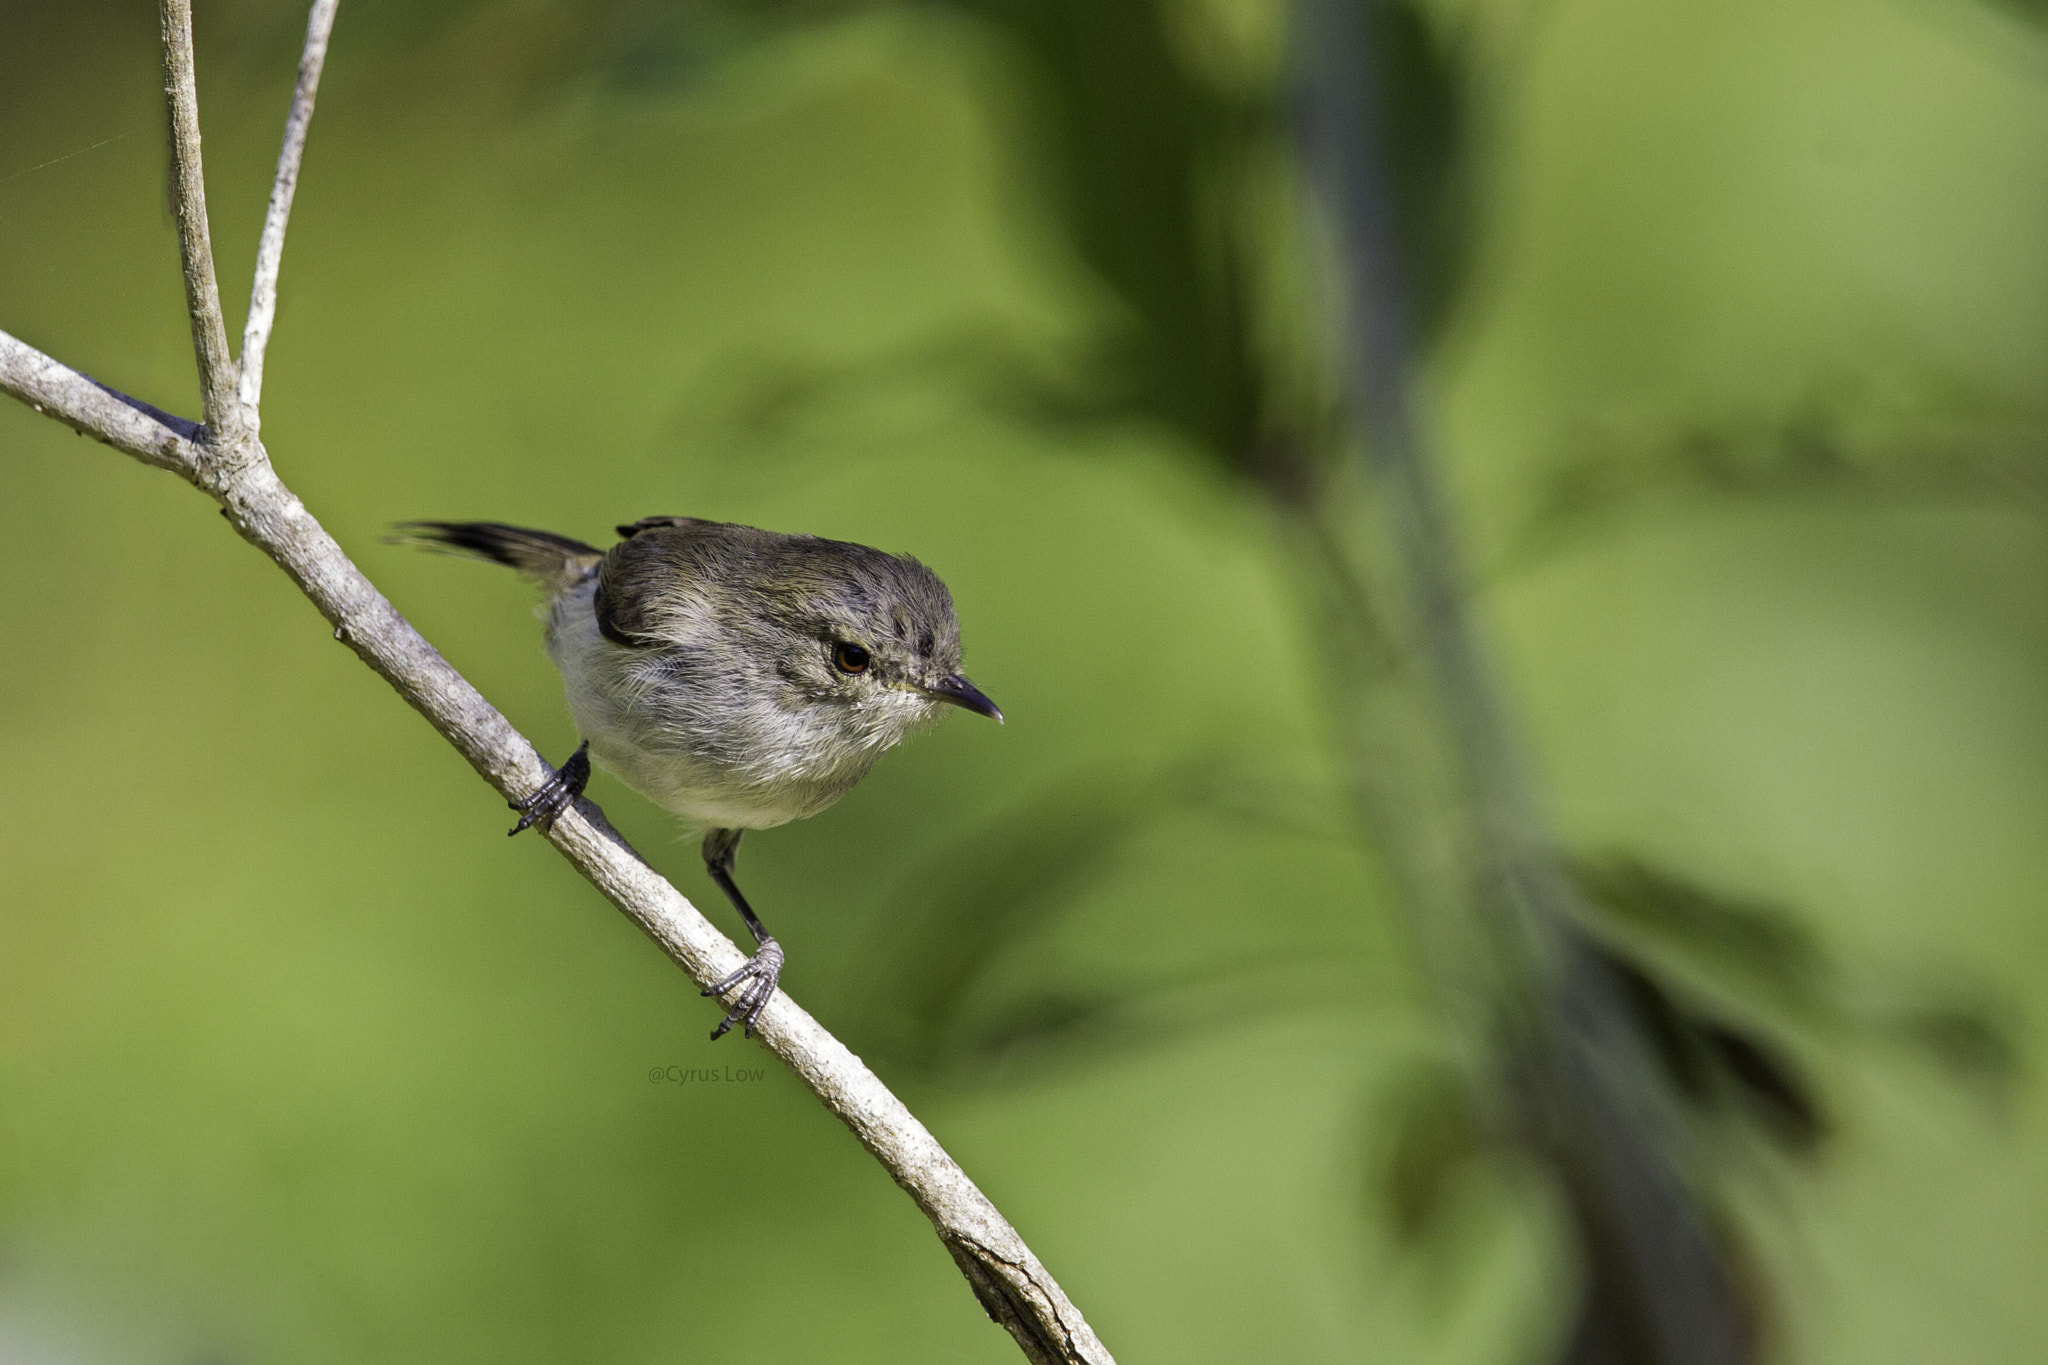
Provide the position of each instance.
(1656, 1290)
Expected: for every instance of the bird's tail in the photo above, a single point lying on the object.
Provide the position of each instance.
(552, 560)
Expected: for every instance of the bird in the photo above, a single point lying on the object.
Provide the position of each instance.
(736, 677)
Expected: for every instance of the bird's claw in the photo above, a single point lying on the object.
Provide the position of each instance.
(759, 973)
(552, 797)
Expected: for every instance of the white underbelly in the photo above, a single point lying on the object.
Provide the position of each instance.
(706, 800)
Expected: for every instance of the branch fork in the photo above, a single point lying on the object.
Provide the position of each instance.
(223, 457)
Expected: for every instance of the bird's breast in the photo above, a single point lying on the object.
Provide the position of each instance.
(702, 734)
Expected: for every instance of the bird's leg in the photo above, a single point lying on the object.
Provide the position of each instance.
(761, 971)
(552, 797)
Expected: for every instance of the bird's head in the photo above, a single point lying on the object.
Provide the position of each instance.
(870, 632)
(800, 654)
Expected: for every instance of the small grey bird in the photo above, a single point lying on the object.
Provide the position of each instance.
(736, 677)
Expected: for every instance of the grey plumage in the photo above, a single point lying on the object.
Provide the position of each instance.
(737, 677)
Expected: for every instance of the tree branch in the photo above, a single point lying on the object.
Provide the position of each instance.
(270, 250)
(92, 409)
(226, 461)
(195, 244)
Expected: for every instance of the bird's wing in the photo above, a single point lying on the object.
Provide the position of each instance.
(658, 566)
(632, 529)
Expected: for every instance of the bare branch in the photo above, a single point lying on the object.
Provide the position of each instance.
(91, 408)
(1011, 1285)
(270, 250)
(195, 246)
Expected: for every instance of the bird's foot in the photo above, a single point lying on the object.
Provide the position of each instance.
(759, 974)
(552, 797)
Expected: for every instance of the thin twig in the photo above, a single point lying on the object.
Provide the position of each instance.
(1010, 1283)
(195, 244)
(1013, 1287)
(92, 409)
(270, 250)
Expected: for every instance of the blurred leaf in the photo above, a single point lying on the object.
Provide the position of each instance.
(1718, 941)
(981, 892)
(1435, 1136)
(1708, 1056)
(937, 1002)
(1042, 1020)
(1965, 1040)
(772, 405)
(1757, 943)
(1712, 1061)
(1160, 148)
(1130, 141)
(1968, 1042)
(1770, 1084)
(1677, 1045)
(1845, 440)
(2035, 11)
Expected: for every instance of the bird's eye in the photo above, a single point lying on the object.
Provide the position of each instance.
(849, 658)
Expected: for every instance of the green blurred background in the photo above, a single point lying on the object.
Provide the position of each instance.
(1738, 362)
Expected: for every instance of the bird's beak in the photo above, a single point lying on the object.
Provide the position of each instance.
(960, 692)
